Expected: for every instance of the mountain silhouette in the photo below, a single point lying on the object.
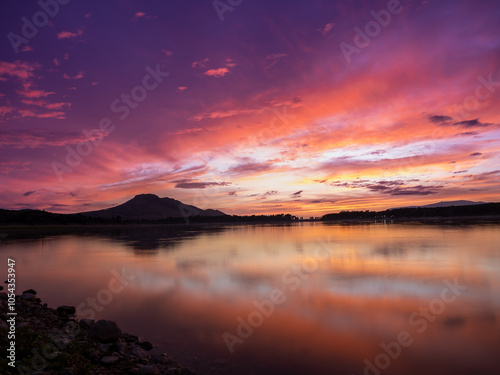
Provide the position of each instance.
(449, 204)
(152, 207)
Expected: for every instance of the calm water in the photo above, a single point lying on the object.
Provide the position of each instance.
(340, 294)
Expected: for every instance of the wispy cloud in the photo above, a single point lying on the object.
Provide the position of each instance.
(189, 184)
(472, 123)
(22, 70)
(327, 28)
(31, 93)
(79, 75)
(69, 34)
(217, 73)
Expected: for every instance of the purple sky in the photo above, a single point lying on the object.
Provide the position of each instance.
(305, 107)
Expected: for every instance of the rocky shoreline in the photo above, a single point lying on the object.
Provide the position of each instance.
(52, 341)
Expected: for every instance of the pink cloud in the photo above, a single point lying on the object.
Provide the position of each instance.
(57, 115)
(18, 69)
(5, 110)
(21, 139)
(200, 64)
(28, 93)
(217, 73)
(39, 103)
(13, 166)
(57, 105)
(143, 15)
(182, 88)
(79, 75)
(27, 113)
(327, 28)
(223, 114)
(69, 34)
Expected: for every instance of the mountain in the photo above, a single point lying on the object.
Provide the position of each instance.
(152, 207)
(453, 203)
(448, 204)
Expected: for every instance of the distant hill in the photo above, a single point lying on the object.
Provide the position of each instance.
(443, 209)
(152, 207)
(448, 204)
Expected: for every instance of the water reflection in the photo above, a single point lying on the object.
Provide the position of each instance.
(346, 290)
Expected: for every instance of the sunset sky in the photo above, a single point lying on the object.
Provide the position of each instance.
(303, 107)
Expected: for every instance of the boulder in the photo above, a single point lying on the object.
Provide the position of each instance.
(109, 360)
(139, 353)
(149, 370)
(146, 345)
(86, 323)
(105, 331)
(28, 297)
(66, 310)
(130, 338)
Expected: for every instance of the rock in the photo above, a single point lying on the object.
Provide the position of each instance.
(146, 345)
(109, 360)
(122, 346)
(62, 341)
(66, 310)
(149, 370)
(30, 291)
(172, 371)
(1, 287)
(28, 297)
(105, 331)
(86, 323)
(104, 347)
(139, 353)
(130, 338)
(159, 358)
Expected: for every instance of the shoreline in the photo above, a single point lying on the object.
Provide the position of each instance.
(53, 341)
(402, 220)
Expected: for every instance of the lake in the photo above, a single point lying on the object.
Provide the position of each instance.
(304, 298)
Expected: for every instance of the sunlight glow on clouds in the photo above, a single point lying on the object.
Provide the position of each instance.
(257, 108)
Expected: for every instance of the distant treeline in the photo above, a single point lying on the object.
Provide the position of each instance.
(38, 217)
(487, 209)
